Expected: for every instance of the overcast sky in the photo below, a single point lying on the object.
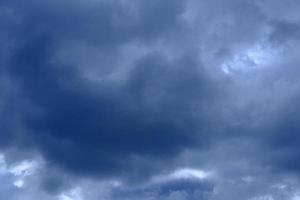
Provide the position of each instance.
(150, 99)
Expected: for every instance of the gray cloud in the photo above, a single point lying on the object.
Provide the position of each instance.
(121, 91)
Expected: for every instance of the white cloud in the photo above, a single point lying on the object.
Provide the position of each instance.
(24, 168)
(184, 173)
(189, 173)
(3, 167)
(254, 57)
(19, 171)
(19, 183)
(74, 194)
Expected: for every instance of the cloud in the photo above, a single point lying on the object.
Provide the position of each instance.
(104, 128)
(133, 97)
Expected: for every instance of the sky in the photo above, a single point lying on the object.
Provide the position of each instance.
(152, 100)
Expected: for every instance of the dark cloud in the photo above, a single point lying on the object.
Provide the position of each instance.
(104, 128)
(126, 90)
(90, 130)
(171, 189)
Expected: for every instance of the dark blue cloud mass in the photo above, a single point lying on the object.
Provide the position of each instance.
(173, 99)
(90, 127)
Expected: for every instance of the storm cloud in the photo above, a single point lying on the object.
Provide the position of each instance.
(149, 99)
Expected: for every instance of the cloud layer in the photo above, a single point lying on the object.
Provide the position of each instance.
(114, 99)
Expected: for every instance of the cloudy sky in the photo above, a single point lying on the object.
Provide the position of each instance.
(152, 100)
